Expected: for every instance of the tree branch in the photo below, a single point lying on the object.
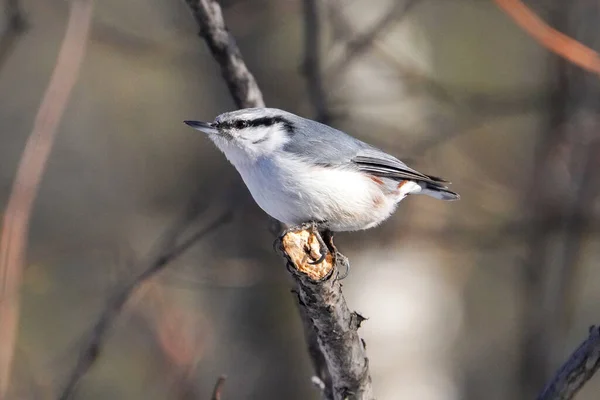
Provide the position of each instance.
(330, 327)
(216, 394)
(322, 379)
(576, 371)
(323, 307)
(555, 41)
(241, 82)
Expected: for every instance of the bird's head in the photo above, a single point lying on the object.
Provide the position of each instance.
(250, 132)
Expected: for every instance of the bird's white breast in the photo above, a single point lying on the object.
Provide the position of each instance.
(294, 192)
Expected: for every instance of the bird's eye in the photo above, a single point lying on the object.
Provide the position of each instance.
(241, 124)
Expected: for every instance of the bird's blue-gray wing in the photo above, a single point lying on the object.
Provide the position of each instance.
(321, 144)
(324, 145)
(379, 163)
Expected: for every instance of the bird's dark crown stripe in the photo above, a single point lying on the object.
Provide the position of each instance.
(257, 122)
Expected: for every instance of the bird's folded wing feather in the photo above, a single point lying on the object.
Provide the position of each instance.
(324, 145)
(381, 164)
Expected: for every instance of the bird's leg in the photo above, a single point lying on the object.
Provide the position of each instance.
(341, 260)
(323, 249)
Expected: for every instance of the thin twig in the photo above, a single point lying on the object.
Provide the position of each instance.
(216, 394)
(241, 82)
(576, 371)
(360, 44)
(168, 251)
(13, 241)
(173, 329)
(341, 30)
(471, 108)
(555, 41)
(311, 66)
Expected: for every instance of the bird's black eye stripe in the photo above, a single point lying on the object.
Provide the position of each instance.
(256, 123)
(260, 122)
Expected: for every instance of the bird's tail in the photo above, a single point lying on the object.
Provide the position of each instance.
(437, 188)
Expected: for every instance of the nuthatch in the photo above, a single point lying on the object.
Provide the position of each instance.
(301, 171)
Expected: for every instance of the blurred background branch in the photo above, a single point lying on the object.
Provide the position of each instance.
(15, 221)
(358, 44)
(312, 66)
(481, 299)
(216, 395)
(552, 39)
(563, 186)
(16, 25)
(576, 371)
(167, 249)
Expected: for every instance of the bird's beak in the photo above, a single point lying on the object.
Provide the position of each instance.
(205, 127)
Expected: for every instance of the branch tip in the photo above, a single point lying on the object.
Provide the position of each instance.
(216, 394)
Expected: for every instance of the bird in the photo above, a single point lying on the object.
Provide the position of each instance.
(300, 171)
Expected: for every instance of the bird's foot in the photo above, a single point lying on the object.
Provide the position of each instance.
(342, 260)
(318, 229)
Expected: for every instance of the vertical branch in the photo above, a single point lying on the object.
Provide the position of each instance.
(341, 362)
(541, 201)
(311, 66)
(563, 190)
(578, 210)
(241, 82)
(317, 357)
(13, 240)
(338, 353)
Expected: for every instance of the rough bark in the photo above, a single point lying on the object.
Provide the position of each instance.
(576, 371)
(322, 305)
(337, 351)
(241, 83)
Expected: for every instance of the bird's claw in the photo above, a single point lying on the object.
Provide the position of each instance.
(342, 260)
(313, 227)
(323, 249)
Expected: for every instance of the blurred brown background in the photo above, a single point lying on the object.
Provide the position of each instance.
(477, 299)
